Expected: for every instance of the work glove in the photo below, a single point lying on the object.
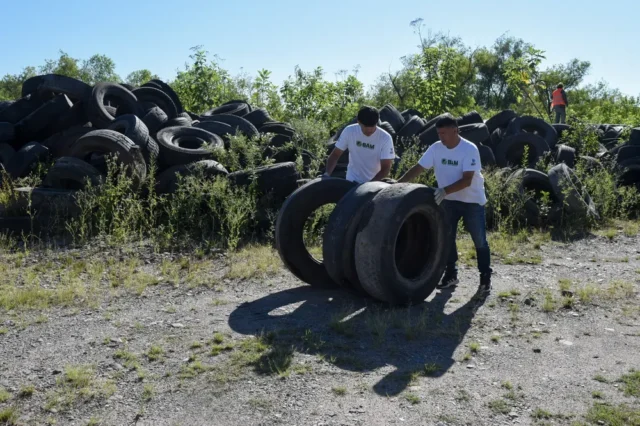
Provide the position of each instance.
(439, 195)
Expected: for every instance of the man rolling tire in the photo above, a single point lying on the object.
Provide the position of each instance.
(456, 163)
(371, 151)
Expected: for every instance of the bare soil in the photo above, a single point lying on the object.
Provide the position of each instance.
(203, 343)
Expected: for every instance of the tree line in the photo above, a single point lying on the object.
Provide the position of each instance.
(444, 74)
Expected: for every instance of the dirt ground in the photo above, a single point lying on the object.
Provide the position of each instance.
(112, 338)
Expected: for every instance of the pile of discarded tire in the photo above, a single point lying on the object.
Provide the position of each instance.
(75, 125)
(386, 241)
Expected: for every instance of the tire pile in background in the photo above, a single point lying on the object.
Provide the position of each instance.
(386, 241)
(75, 125)
(503, 140)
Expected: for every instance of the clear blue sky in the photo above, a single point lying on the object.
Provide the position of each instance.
(279, 34)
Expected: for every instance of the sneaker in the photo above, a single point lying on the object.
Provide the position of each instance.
(447, 282)
(485, 282)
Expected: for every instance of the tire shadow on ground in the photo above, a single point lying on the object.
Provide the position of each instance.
(360, 335)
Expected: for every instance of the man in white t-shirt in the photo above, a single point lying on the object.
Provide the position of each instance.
(456, 163)
(371, 151)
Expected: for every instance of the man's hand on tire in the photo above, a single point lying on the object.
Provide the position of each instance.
(439, 195)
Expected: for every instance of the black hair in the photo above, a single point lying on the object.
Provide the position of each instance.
(446, 120)
(369, 116)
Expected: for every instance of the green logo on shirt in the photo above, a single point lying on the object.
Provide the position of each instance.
(446, 162)
(365, 145)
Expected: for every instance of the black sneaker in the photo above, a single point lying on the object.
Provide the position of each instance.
(485, 282)
(448, 281)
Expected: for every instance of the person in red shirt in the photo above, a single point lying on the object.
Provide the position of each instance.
(559, 103)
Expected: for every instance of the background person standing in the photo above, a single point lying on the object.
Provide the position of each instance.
(559, 104)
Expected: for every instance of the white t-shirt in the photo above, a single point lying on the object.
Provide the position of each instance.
(449, 165)
(365, 152)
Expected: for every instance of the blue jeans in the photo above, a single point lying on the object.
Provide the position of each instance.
(473, 218)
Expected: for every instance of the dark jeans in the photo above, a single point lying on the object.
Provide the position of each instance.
(473, 218)
(561, 114)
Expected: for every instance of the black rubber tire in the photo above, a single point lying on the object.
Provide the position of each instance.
(566, 154)
(258, 117)
(167, 181)
(400, 261)
(159, 99)
(627, 152)
(6, 154)
(496, 137)
(510, 150)
(391, 115)
(634, 136)
(72, 173)
(532, 180)
(590, 164)
(53, 203)
(411, 128)
(411, 112)
(290, 226)
(169, 91)
(24, 161)
(107, 142)
(127, 104)
(60, 143)
(568, 188)
(178, 122)
(5, 104)
(476, 133)
(387, 127)
(501, 120)
(172, 154)
(530, 124)
(339, 239)
(20, 109)
(55, 83)
(472, 117)
(239, 123)
(155, 120)
(39, 124)
(279, 140)
(561, 129)
(231, 109)
(487, 158)
(135, 129)
(278, 180)
(217, 128)
(7, 132)
(278, 129)
(344, 158)
(76, 116)
(429, 136)
(609, 132)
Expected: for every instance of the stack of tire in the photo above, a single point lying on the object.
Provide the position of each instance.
(75, 126)
(567, 195)
(385, 241)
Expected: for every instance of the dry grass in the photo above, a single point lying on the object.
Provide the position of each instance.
(521, 248)
(255, 261)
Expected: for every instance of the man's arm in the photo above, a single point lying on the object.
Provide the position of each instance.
(463, 183)
(332, 160)
(564, 96)
(411, 174)
(385, 168)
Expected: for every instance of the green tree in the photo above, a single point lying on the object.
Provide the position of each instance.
(140, 77)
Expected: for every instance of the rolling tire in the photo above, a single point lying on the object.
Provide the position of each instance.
(404, 221)
(290, 227)
(338, 242)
